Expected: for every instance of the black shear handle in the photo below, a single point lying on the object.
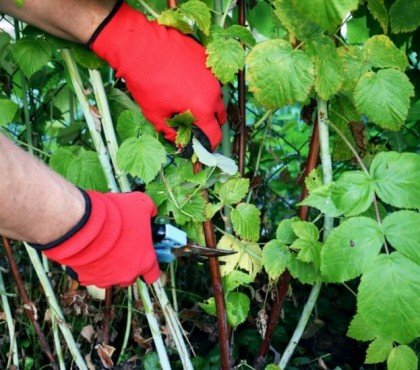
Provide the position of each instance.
(158, 231)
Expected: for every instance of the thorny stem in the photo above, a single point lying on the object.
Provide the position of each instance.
(327, 172)
(125, 187)
(157, 338)
(29, 306)
(10, 323)
(128, 323)
(55, 308)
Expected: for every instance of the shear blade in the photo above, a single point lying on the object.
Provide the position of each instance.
(193, 249)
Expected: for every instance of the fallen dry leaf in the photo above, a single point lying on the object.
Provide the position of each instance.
(88, 332)
(105, 353)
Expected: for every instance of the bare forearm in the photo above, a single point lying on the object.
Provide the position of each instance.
(37, 205)
(73, 20)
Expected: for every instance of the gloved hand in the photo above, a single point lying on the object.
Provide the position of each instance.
(164, 70)
(112, 244)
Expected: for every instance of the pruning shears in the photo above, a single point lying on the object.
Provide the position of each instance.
(171, 242)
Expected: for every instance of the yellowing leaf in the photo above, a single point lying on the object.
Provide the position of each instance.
(328, 66)
(381, 52)
(278, 75)
(225, 58)
(384, 97)
(248, 256)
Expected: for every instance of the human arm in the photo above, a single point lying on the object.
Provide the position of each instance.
(105, 238)
(164, 70)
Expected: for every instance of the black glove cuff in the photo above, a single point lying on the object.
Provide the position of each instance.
(103, 24)
(188, 149)
(74, 230)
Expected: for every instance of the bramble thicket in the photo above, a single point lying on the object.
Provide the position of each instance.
(324, 111)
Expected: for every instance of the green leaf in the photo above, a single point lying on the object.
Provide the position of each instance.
(328, 66)
(182, 119)
(233, 191)
(212, 209)
(404, 15)
(86, 172)
(378, 10)
(396, 178)
(381, 52)
(357, 31)
(246, 221)
(308, 251)
(8, 111)
(403, 232)
(237, 307)
(279, 75)
(79, 166)
(350, 249)
(157, 191)
(313, 180)
(199, 12)
(389, 297)
(272, 367)
(86, 58)
(305, 230)
(378, 351)
(320, 198)
(326, 13)
(235, 279)
(384, 97)
(132, 124)
(353, 193)
(402, 358)
(209, 307)
(31, 54)
(187, 208)
(306, 273)
(247, 258)
(240, 32)
(275, 258)
(354, 66)
(298, 26)
(151, 361)
(173, 18)
(262, 19)
(142, 157)
(359, 329)
(225, 58)
(183, 135)
(285, 233)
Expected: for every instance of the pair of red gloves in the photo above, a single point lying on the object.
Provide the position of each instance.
(166, 73)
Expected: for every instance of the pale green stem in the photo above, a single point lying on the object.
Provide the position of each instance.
(10, 323)
(225, 13)
(125, 187)
(56, 335)
(327, 172)
(26, 113)
(174, 326)
(148, 310)
(149, 9)
(55, 308)
(90, 120)
(128, 322)
(173, 286)
(108, 127)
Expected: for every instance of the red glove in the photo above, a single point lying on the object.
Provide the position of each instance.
(164, 70)
(112, 243)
